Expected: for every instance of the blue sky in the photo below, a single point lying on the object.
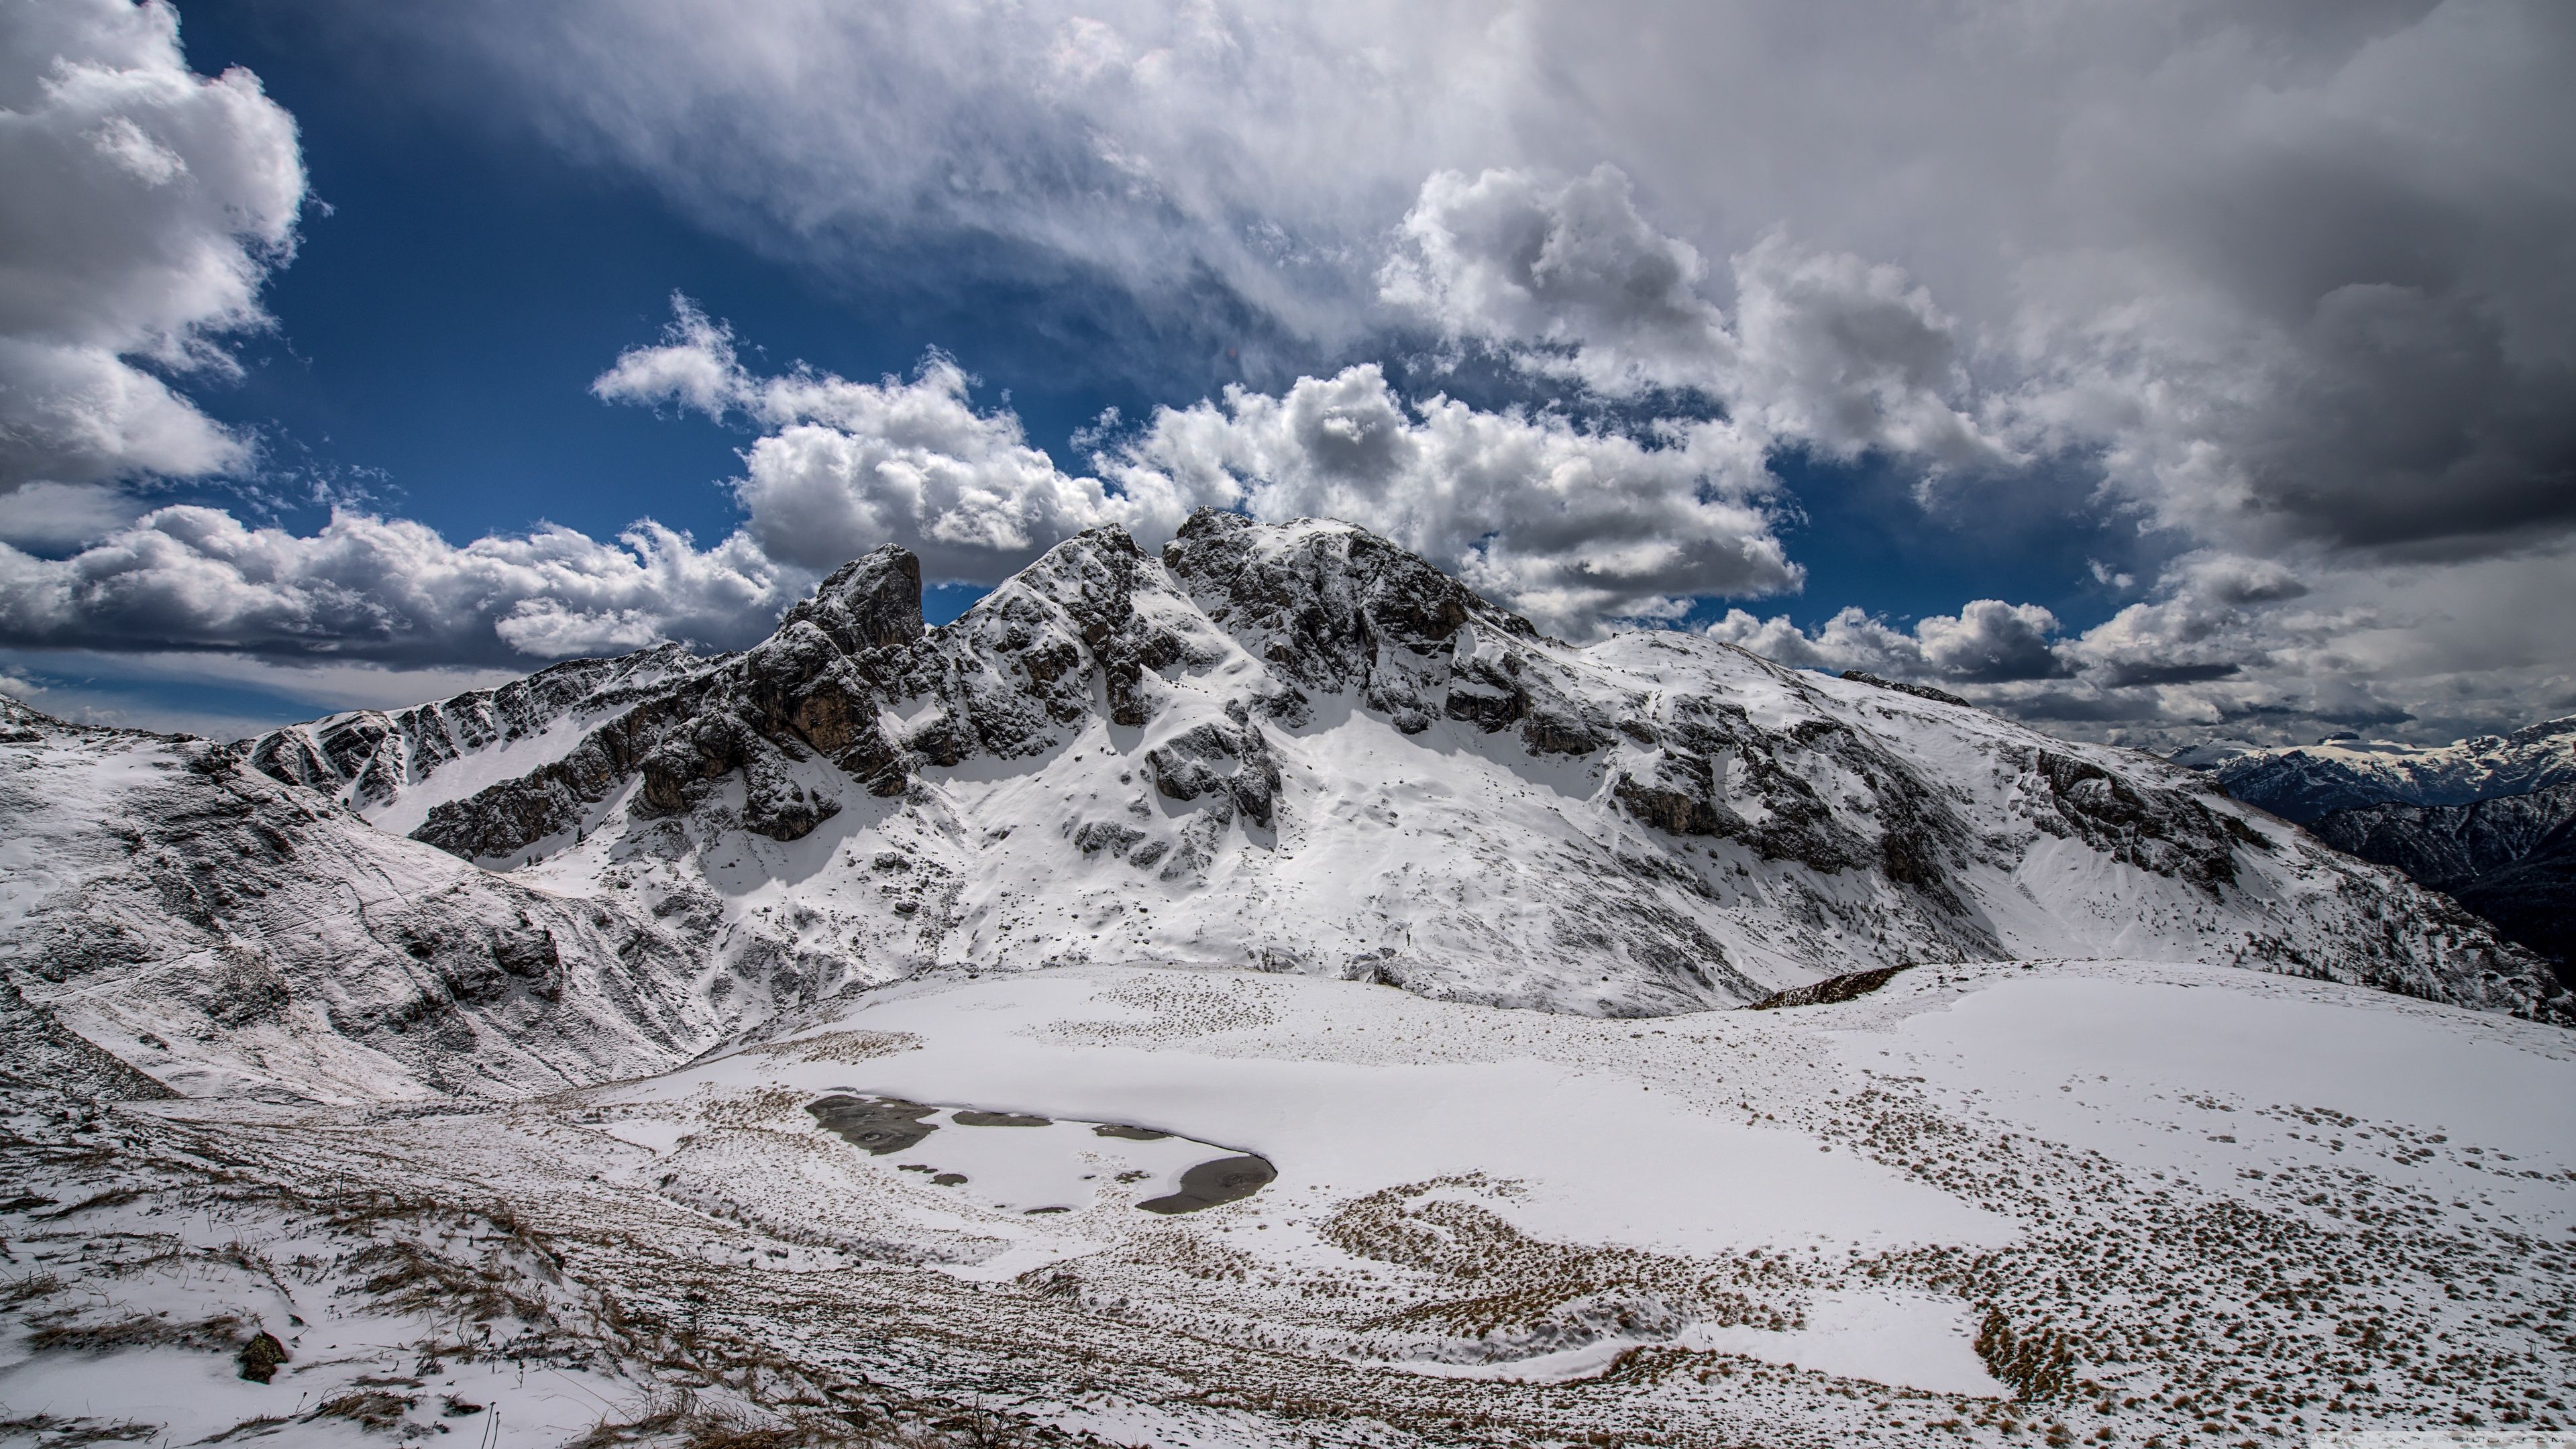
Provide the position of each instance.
(442, 323)
(444, 318)
(2091, 493)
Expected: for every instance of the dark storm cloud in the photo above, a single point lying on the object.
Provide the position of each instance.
(2298, 274)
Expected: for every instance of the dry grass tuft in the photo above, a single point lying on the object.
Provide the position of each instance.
(222, 1333)
(682, 1422)
(368, 1409)
(52, 1432)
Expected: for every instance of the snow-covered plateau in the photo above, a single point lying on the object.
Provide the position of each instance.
(1257, 994)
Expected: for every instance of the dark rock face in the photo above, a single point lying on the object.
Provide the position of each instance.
(1097, 836)
(2165, 831)
(872, 602)
(1327, 608)
(1851, 986)
(369, 757)
(552, 799)
(2511, 860)
(1337, 611)
(814, 688)
(1919, 691)
(1233, 765)
(1714, 772)
(1677, 802)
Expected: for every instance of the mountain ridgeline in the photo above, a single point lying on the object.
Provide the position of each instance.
(1290, 747)
(2509, 858)
(2304, 783)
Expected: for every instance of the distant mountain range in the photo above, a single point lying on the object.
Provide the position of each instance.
(2511, 859)
(2300, 783)
(2487, 820)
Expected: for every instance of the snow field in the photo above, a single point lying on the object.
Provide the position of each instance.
(1987, 1202)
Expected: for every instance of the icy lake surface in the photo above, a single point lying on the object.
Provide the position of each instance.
(1025, 1163)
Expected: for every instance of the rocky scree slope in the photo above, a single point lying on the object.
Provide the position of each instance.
(1298, 747)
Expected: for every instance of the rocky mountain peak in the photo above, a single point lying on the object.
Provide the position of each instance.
(1324, 598)
(1300, 746)
(871, 602)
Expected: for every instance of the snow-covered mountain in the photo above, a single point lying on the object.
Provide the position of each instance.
(1294, 747)
(2511, 859)
(1206, 1181)
(1300, 748)
(2303, 782)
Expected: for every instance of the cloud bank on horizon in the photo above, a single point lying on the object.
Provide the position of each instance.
(2292, 293)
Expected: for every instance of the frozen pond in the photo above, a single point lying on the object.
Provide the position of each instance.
(1029, 1164)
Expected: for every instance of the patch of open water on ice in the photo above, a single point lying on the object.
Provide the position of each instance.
(1023, 1163)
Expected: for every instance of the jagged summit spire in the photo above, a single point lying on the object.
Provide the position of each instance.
(871, 602)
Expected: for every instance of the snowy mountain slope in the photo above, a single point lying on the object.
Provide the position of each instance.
(2303, 782)
(2511, 859)
(1298, 747)
(222, 932)
(1989, 1204)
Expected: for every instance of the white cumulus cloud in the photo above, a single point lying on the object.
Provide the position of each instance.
(1574, 527)
(388, 590)
(144, 207)
(843, 466)
(1570, 278)
(1826, 351)
(1987, 642)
